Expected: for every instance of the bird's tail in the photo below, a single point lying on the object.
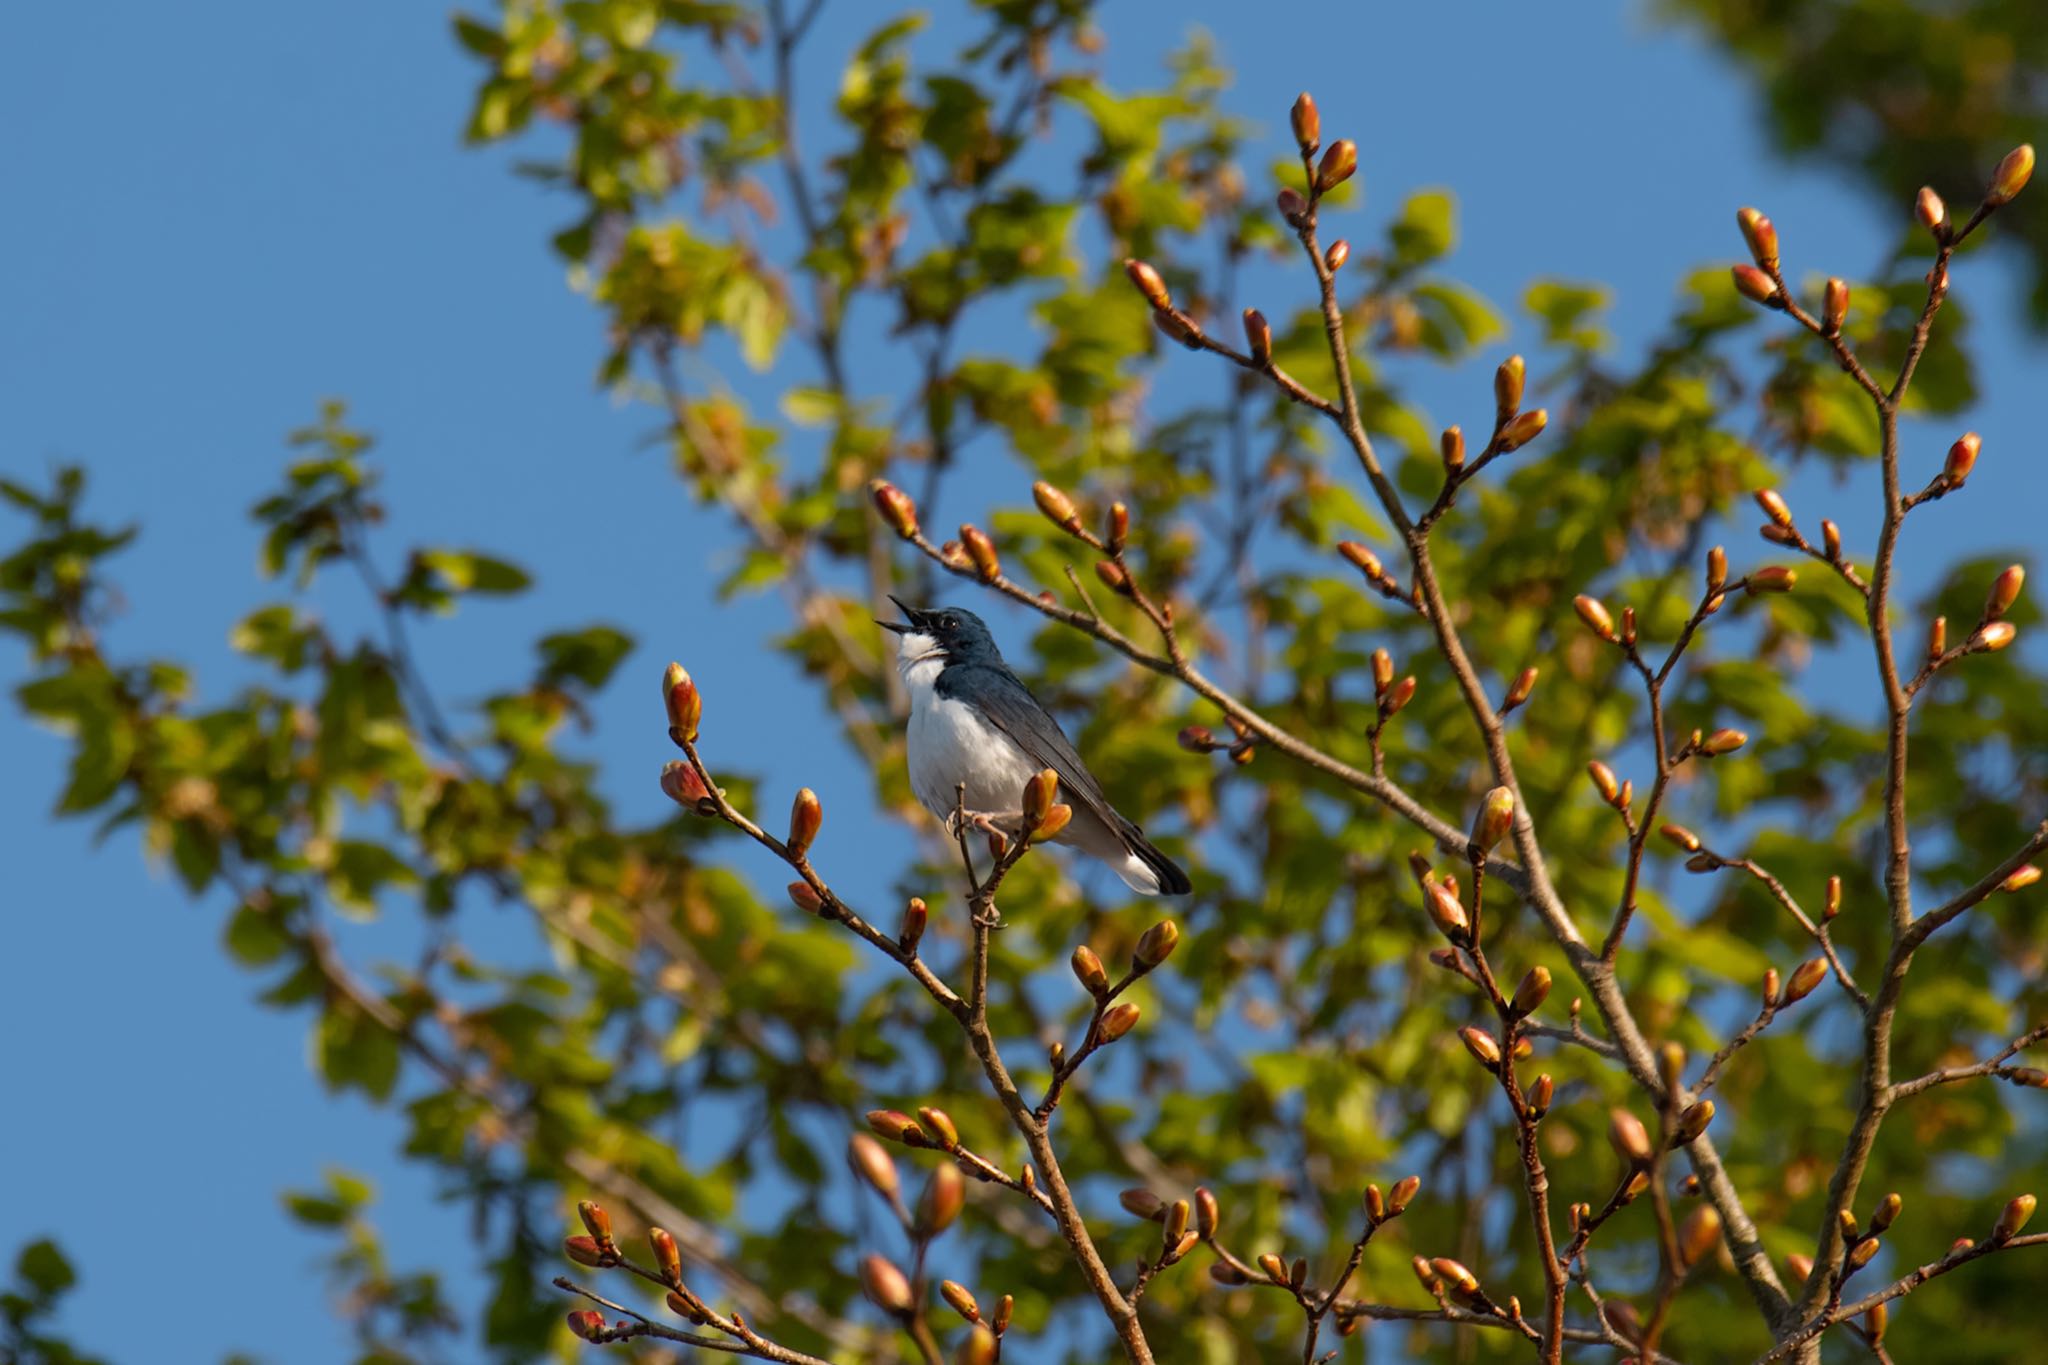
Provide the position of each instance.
(1146, 870)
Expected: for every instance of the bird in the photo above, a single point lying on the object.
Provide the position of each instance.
(973, 722)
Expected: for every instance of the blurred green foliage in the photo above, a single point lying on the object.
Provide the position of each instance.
(1300, 1043)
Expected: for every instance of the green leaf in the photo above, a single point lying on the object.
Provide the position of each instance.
(468, 571)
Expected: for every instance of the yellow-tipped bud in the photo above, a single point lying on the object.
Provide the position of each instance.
(1717, 569)
(1774, 506)
(1337, 165)
(1058, 507)
(1361, 558)
(1307, 123)
(806, 815)
(1156, 945)
(1119, 1020)
(1699, 1234)
(1773, 578)
(1455, 1276)
(1692, 1122)
(1875, 1319)
(1382, 672)
(1403, 1194)
(1594, 613)
(2013, 1217)
(1723, 742)
(1524, 428)
(1604, 781)
(886, 1286)
(1148, 283)
(1832, 904)
(898, 512)
(1481, 1045)
(1805, 977)
(1887, 1212)
(981, 552)
(1962, 458)
(1446, 911)
(1520, 689)
(915, 916)
(1116, 526)
(1860, 1255)
(667, 1258)
(939, 1127)
(1754, 285)
(1680, 835)
(1038, 797)
(1830, 539)
(685, 707)
(1452, 445)
(1425, 1274)
(1496, 817)
(2005, 590)
(2012, 175)
(1631, 1141)
(1995, 636)
(1533, 990)
(1206, 1212)
(1056, 820)
(960, 1300)
(2021, 877)
(1508, 382)
(1834, 307)
(1258, 337)
(1761, 236)
(1088, 970)
(1275, 1268)
(1174, 1225)
(1539, 1095)
(597, 1221)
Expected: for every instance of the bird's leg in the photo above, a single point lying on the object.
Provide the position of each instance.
(1004, 824)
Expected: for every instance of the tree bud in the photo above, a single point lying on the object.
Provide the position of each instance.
(1426, 1274)
(1226, 1274)
(1994, 637)
(1403, 1193)
(1496, 817)
(1604, 781)
(1445, 910)
(1834, 308)
(1119, 1020)
(1174, 1225)
(1258, 337)
(583, 1251)
(685, 707)
(587, 1323)
(1337, 165)
(1723, 742)
(1452, 444)
(1363, 559)
(1699, 1234)
(1155, 945)
(981, 552)
(2013, 1217)
(945, 1194)
(1382, 672)
(1334, 258)
(1455, 1276)
(1113, 577)
(1773, 578)
(1717, 569)
(805, 898)
(1117, 527)
(885, 1285)
(1140, 1202)
(1886, 1213)
(896, 1126)
(1508, 382)
(1057, 506)
(1197, 739)
(1671, 1063)
(1754, 285)
(1680, 835)
(1637, 1183)
(1874, 1321)
(1206, 1212)
(666, 1257)
(1177, 328)
(1774, 506)
(2005, 590)
(1148, 283)
(1539, 1096)
(1292, 206)
(1594, 613)
(1088, 970)
(1519, 689)
(1800, 1265)
(899, 513)
(960, 1300)
(1481, 1045)
(2022, 877)
(1860, 1254)
(1932, 213)
(1937, 638)
(1805, 977)
(597, 1221)
(1533, 990)
(1692, 1122)
(1038, 797)
(1832, 904)
(1523, 428)
(1055, 821)
(1962, 458)
(2012, 175)
(915, 917)
(871, 1161)
(1307, 123)
(1761, 236)
(1399, 695)
(1275, 1268)
(939, 1126)
(1630, 1139)
(805, 816)
(680, 783)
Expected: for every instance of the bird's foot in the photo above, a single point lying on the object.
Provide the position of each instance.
(986, 916)
(1005, 824)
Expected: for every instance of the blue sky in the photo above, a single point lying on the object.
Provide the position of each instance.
(222, 214)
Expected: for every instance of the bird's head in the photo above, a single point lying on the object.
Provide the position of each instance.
(947, 635)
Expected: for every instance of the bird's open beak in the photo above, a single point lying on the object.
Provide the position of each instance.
(899, 627)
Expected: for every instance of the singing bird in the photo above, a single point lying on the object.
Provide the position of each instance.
(972, 721)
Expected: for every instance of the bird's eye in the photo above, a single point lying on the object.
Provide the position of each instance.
(949, 623)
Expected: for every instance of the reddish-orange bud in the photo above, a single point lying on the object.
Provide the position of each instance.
(1508, 382)
(1723, 742)
(1177, 328)
(1770, 985)
(1774, 506)
(1155, 945)
(981, 552)
(2005, 590)
(960, 1300)
(1425, 1274)
(1495, 818)
(1773, 578)
(685, 707)
(1631, 1141)
(667, 1258)
(1113, 576)
(1307, 123)
(1524, 428)
(945, 1194)
(805, 898)
(1399, 695)
(1403, 1193)
(1800, 1265)
(1362, 558)
(1452, 444)
(1275, 1268)
(1594, 613)
(1875, 1319)
(1994, 637)
(587, 1323)
(1761, 236)
(1206, 1212)
(1148, 283)
(1088, 970)
(597, 1221)
(1805, 977)
(1337, 165)
(1481, 1044)
(1834, 308)
(2021, 877)
(886, 1286)
(583, 1251)
(680, 783)
(1455, 1276)
(2012, 175)
(1717, 569)
(939, 1126)
(1258, 337)
(1334, 258)
(1118, 1020)
(1754, 285)
(898, 512)
(1680, 835)
(1699, 1234)
(1382, 672)
(805, 817)
(1932, 213)
(1116, 526)
(1604, 781)
(1962, 458)
(1520, 689)
(896, 1126)
(1831, 540)
(1540, 1094)
(915, 916)
(1446, 911)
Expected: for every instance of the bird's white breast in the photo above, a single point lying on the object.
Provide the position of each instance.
(950, 743)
